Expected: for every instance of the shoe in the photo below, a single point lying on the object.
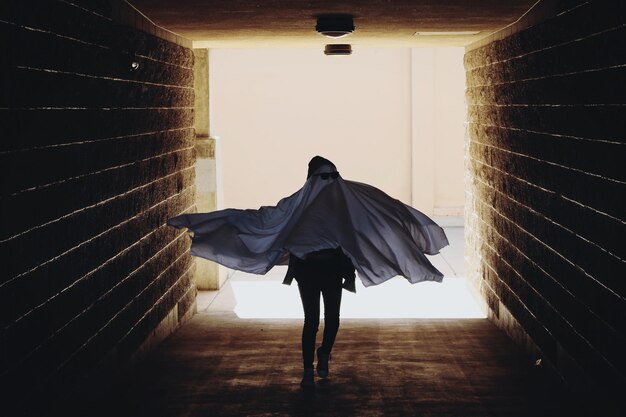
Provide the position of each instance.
(322, 363)
(307, 379)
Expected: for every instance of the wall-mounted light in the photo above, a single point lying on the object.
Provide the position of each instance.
(338, 49)
(130, 62)
(335, 25)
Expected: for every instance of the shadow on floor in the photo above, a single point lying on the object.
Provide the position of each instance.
(220, 365)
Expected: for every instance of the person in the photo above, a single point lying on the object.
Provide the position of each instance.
(325, 232)
(322, 273)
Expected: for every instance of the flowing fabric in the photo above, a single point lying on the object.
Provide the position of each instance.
(380, 235)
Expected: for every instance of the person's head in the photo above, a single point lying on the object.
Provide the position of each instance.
(316, 163)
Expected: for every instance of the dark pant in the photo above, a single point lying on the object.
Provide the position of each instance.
(315, 278)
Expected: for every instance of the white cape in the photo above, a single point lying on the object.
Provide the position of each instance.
(382, 236)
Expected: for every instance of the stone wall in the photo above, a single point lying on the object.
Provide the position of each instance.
(96, 153)
(207, 272)
(546, 213)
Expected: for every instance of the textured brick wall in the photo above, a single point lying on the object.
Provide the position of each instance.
(546, 208)
(94, 157)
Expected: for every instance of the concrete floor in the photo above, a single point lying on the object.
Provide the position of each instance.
(220, 364)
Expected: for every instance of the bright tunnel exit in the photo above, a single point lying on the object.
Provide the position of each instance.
(451, 299)
(392, 117)
(252, 296)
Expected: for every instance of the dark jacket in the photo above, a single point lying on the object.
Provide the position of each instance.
(328, 255)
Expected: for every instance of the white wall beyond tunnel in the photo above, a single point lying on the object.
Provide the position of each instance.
(393, 118)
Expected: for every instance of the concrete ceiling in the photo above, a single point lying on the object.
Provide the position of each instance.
(291, 23)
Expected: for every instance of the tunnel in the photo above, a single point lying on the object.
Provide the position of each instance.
(103, 134)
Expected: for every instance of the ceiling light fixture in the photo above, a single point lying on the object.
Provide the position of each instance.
(335, 25)
(338, 49)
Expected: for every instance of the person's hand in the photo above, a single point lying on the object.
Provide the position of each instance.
(348, 284)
